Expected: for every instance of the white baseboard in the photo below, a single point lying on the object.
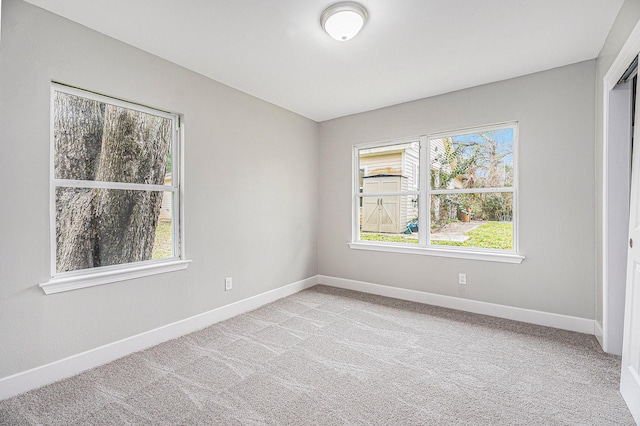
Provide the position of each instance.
(599, 332)
(75, 364)
(564, 322)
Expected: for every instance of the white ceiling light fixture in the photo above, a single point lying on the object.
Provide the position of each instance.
(344, 20)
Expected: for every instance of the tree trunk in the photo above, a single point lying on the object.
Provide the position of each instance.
(135, 147)
(75, 235)
(77, 127)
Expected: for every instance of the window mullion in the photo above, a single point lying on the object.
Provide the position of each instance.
(387, 194)
(471, 190)
(355, 188)
(424, 217)
(69, 183)
(176, 181)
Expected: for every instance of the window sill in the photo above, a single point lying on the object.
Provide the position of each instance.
(74, 282)
(441, 252)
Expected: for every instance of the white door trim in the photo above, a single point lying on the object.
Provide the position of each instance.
(618, 196)
(626, 55)
(629, 380)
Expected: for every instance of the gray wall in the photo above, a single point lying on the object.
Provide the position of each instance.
(253, 189)
(556, 114)
(626, 20)
(250, 191)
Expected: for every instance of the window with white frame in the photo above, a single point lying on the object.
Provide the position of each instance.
(453, 192)
(115, 185)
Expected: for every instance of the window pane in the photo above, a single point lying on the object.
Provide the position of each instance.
(103, 227)
(99, 141)
(400, 160)
(473, 160)
(390, 219)
(481, 220)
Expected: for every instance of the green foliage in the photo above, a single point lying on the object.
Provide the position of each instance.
(452, 163)
(447, 243)
(475, 160)
(162, 244)
(169, 162)
(465, 202)
(491, 235)
(493, 206)
(388, 238)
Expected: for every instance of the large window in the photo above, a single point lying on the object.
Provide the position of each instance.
(115, 186)
(445, 193)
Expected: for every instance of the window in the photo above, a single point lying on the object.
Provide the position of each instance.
(389, 192)
(452, 194)
(115, 190)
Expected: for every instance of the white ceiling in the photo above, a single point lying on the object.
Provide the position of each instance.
(409, 49)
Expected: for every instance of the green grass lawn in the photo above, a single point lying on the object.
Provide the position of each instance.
(162, 243)
(492, 235)
(388, 238)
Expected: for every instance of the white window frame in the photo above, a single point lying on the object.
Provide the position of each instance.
(425, 192)
(71, 280)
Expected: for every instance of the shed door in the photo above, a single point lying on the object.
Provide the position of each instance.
(389, 213)
(381, 213)
(370, 206)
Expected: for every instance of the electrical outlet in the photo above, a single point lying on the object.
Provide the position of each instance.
(228, 284)
(462, 279)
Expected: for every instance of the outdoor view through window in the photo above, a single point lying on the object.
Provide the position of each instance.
(469, 190)
(113, 181)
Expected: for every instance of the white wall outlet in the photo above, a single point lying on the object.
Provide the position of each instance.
(462, 279)
(228, 284)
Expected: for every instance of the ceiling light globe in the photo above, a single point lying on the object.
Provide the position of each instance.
(343, 21)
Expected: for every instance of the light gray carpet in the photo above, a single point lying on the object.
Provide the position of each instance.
(329, 356)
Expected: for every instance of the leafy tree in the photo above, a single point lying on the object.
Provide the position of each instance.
(476, 160)
(449, 164)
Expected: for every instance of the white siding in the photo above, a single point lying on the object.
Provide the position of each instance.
(383, 163)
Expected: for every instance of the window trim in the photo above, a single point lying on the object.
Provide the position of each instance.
(458, 252)
(74, 280)
(70, 280)
(425, 192)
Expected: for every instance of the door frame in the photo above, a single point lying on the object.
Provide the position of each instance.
(626, 55)
(629, 380)
(618, 203)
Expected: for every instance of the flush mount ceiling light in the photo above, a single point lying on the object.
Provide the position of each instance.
(344, 20)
